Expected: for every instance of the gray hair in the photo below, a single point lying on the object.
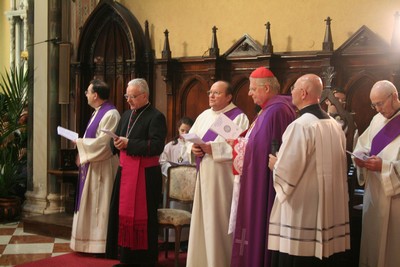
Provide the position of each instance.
(141, 83)
(271, 81)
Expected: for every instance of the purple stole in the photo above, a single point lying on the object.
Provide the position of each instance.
(90, 133)
(385, 136)
(210, 135)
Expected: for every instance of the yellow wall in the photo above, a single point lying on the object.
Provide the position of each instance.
(296, 25)
(5, 37)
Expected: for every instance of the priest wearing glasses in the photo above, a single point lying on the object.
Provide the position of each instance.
(209, 242)
(133, 227)
(380, 175)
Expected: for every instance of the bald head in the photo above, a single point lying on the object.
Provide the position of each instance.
(307, 90)
(385, 98)
(382, 88)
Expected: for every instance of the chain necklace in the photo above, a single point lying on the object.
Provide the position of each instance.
(182, 144)
(129, 129)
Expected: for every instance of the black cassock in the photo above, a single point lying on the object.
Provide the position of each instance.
(147, 135)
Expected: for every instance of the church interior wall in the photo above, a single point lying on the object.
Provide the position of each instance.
(5, 37)
(294, 24)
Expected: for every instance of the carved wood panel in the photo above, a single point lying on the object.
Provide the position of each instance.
(111, 48)
(355, 66)
(194, 99)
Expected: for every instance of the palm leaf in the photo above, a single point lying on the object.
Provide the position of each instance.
(13, 100)
(14, 89)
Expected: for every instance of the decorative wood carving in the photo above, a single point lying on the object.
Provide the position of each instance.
(327, 45)
(166, 53)
(214, 50)
(360, 62)
(355, 66)
(113, 48)
(245, 46)
(363, 42)
(268, 48)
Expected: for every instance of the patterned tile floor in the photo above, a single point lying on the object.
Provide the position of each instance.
(17, 247)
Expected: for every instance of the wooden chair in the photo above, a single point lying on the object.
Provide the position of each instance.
(181, 181)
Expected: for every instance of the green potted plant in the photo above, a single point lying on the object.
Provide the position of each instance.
(13, 101)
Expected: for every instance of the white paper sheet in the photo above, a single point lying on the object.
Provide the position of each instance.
(225, 127)
(110, 133)
(67, 133)
(359, 155)
(191, 137)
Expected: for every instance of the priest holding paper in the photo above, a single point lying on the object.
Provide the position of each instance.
(97, 170)
(133, 226)
(209, 242)
(380, 174)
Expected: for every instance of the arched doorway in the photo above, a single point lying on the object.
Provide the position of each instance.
(114, 48)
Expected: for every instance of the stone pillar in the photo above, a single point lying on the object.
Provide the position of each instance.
(37, 191)
(54, 111)
(44, 196)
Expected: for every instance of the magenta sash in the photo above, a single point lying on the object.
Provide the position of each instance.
(133, 216)
(385, 136)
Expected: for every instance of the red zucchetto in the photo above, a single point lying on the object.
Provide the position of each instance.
(262, 72)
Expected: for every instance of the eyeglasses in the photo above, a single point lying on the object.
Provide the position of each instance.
(380, 104)
(216, 93)
(132, 96)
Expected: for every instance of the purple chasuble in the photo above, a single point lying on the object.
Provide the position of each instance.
(257, 194)
(210, 135)
(385, 136)
(90, 132)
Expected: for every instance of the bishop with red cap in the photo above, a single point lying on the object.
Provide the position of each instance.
(256, 193)
(262, 72)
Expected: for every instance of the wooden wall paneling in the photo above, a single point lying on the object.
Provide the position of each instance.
(169, 69)
(187, 82)
(240, 70)
(241, 96)
(194, 98)
(358, 102)
(290, 66)
(197, 76)
(112, 48)
(360, 62)
(244, 56)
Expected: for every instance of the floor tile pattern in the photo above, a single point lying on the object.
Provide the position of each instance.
(17, 247)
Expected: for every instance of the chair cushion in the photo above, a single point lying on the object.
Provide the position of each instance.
(173, 216)
(182, 182)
